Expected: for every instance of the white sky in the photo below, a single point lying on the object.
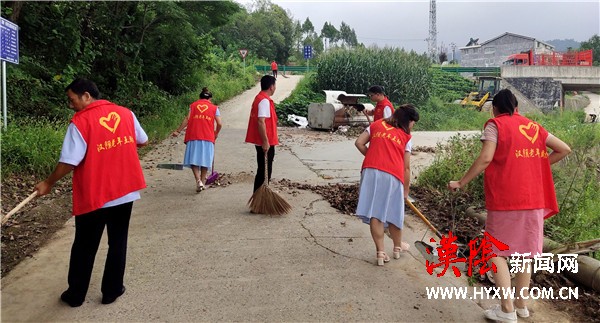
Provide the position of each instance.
(405, 24)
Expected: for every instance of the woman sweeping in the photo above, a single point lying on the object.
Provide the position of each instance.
(519, 193)
(385, 177)
(200, 136)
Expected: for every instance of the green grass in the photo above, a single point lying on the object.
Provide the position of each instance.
(435, 115)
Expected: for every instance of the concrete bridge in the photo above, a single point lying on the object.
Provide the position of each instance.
(573, 78)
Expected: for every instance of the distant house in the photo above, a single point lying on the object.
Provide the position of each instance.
(495, 51)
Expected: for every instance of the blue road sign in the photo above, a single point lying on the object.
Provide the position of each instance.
(308, 53)
(9, 41)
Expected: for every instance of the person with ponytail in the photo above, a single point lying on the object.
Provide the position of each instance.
(203, 124)
(385, 177)
(519, 194)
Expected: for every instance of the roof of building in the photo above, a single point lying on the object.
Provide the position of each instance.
(505, 34)
(515, 35)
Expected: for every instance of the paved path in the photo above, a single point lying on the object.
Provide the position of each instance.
(203, 257)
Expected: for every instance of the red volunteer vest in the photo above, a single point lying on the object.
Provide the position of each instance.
(111, 167)
(201, 123)
(386, 149)
(378, 111)
(519, 176)
(252, 135)
(274, 66)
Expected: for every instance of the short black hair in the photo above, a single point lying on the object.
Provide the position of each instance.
(79, 86)
(505, 102)
(376, 89)
(266, 82)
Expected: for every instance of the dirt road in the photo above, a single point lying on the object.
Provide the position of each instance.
(204, 257)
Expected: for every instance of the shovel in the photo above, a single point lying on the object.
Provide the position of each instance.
(427, 251)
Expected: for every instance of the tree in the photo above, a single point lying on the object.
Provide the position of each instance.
(443, 57)
(594, 44)
(347, 35)
(329, 33)
(307, 28)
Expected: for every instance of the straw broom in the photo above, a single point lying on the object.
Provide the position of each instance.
(265, 201)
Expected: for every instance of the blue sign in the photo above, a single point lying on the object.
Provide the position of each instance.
(308, 51)
(9, 41)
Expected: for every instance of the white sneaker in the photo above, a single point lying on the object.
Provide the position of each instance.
(496, 314)
(522, 312)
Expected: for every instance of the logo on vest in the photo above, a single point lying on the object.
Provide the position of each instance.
(202, 107)
(385, 125)
(530, 131)
(112, 118)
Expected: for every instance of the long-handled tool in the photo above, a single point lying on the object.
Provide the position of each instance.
(18, 207)
(265, 201)
(427, 251)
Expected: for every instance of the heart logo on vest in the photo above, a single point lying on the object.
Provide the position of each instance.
(385, 125)
(113, 118)
(202, 107)
(528, 129)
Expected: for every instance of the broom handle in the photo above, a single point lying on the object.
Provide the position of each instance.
(18, 207)
(412, 207)
(266, 169)
(366, 115)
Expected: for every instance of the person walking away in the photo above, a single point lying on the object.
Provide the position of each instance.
(203, 124)
(514, 149)
(385, 177)
(274, 68)
(383, 107)
(262, 129)
(100, 147)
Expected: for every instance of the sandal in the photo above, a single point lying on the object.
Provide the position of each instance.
(382, 258)
(397, 250)
(199, 186)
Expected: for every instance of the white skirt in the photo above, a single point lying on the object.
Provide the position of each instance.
(381, 196)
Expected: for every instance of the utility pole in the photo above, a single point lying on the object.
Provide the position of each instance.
(432, 40)
(453, 46)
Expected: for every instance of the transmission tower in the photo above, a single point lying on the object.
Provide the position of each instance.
(432, 40)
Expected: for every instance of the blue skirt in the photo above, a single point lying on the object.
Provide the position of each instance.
(381, 196)
(199, 153)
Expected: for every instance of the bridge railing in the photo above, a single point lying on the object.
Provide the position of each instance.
(478, 71)
(265, 69)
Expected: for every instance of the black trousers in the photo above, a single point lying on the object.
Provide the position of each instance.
(259, 179)
(88, 232)
(275, 73)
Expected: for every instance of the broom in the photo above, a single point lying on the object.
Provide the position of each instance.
(265, 201)
(214, 176)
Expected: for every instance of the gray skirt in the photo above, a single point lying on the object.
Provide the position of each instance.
(381, 196)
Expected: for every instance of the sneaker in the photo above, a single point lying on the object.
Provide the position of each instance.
(522, 312)
(496, 314)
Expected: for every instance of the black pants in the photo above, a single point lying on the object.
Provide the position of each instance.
(88, 232)
(259, 179)
(275, 73)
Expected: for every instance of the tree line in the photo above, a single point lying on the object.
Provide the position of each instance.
(137, 50)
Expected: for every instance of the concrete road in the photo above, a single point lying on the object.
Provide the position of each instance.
(203, 257)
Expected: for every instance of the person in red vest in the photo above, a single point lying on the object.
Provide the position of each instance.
(519, 193)
(200, 137)
(262, 129)
(385, 177)
(383, 108)
(274, 68)
(100, 147)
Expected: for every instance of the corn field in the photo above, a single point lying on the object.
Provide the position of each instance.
(404, 76)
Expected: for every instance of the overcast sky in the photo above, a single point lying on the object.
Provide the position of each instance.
(405, 24)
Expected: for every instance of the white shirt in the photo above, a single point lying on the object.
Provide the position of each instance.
(264, 109)
(387, 111)
(74, 148)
